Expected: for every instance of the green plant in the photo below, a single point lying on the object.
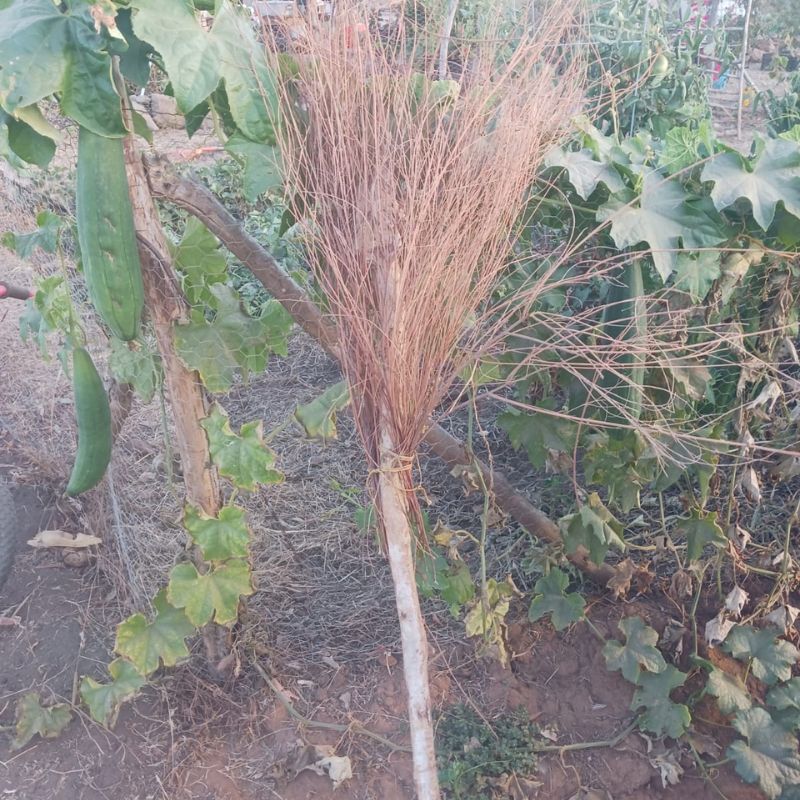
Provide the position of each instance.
(106, 234)
(94, 425)
(781, 107)
(474, 755)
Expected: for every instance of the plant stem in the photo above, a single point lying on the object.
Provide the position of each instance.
(566, 748)
(414, 639)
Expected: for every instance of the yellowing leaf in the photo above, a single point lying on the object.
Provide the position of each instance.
(639, 651)
(219, 538)
(104, 699)
(242, 457)
(146, 643)
(33, 718)
(318, 417)
(213, 594)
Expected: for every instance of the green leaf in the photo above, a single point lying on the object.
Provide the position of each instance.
(564, 607)
(242, 457)
(584, 172)
(146, 643)
(662, 716)
(194, 118)
(232, 342)
(26, 142)
(769, 757)
(45, 236)
(701, 529)
(33, 718)
(663, 217)
(136, 365)
(263, 168)
(249, 82)
(681, 149)
(215, 594)
(695, 273)
(773, 177)
(594, 527)
(731, 693)
(785, 700)
(219, 538)
(200, 262)
(104, 699)
(134, 62)
(318, 417)
(190, 55)
(639, 651)
(457, 586)
(44, 52)
(538, 433)
(771, 658)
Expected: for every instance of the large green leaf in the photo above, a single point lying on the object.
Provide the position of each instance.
(134, 62)
(785, 700)
(769, 756)
(538, 433)
(594, 527)
(33, 718)
(49, 227)
(661, 716)
(584, 172)
(29, 144)
(146, 643)
(639, 651)
(44, 52)
(263, 169)
(318, 417)
(200, 261)
(731, 693)
(665, 217)
(219, 538)
(189, 53)
(771, 658)
(242, 457)
(701, 529)
(249, 82)
(214, 594)
(232, 342)
(695, 273)
(772, 177)
(552, 598)
(104, 699)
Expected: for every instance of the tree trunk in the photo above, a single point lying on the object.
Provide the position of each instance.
(399, 540)
(444, 38)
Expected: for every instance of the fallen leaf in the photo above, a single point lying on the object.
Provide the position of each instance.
(58, 538)
(736, 599)
(768, 395)
(338, 768)
(739, 536)
(680, 586)
(783, 617)
(668, 767)
(750, 486)
(620, 583)
(717, 629)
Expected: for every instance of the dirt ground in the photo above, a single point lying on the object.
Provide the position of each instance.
(322, 623)
(187, 738)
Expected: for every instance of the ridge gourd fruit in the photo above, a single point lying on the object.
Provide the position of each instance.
(93, 415)
(107, 236)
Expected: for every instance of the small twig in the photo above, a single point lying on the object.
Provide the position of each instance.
(354, 726)
(564, 748)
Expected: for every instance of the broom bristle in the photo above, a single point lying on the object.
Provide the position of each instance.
(416, 186)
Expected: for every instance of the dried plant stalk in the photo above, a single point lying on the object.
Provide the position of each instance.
(411, 188)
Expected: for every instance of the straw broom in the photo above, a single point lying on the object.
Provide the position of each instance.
(411, 190)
